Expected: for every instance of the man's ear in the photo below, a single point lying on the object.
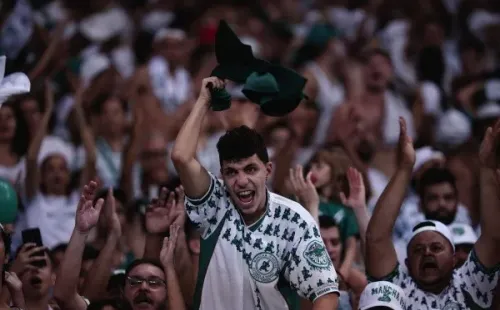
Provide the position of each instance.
(269, 169)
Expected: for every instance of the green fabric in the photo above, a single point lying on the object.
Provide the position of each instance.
(343, 216)
(8, 202)
(320, 34)
(129, 258)
(276, 89)
(221, 99)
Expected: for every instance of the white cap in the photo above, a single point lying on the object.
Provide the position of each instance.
(433, 226)
(56, 146)
(488, 110)
(236, 92)
(92, 66)
(431, 98)
(13, 84)
(453, 128)
(102, 26)
(424, 155)
(382, 294)
(169, 33)
(492, 89)
(463, 234)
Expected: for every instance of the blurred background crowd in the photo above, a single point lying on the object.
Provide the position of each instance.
(113, 81)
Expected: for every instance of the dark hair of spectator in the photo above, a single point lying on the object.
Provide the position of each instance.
(97, 105)
(471, 42)
(240, 143)
(101, 304)
(143, 261)
(20, 142)
(376, 51)
(435, 176)
(430, 65)
(326, 222)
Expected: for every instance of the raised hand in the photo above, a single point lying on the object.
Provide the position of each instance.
(25, 258)
(87, 214)
(304, 189)
(357, 196)
(489, 147)
(205, 92)
(406, 152)
(178, 212)
(158, 213)
(112, 219)
(13, 282)
(168, 248)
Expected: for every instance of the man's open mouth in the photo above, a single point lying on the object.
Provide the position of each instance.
(246, 197)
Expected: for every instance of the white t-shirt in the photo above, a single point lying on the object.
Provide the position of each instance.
(108, 164)
(471, 287)
(14, 173)
(263, 266)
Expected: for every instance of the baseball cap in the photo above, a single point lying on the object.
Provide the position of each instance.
(382, 294)
(433, 226)
(462, 234)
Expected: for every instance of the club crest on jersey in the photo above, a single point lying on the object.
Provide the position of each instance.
(264, 267)
(316, 255)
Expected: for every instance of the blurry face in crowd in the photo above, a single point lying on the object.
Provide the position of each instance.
(7, 124)
(31, 112)
(38, 281)
(302, 120)
(154, 159)
(430, 260)
(145, 288)
(434, 163)
(462, 252)
(173, 50)
(55, 175)
(242, 112)
(378, 73)
(113, 118)
(322, 174)
(246, 183)
(439, 202)
(333, 244)
(279, 137)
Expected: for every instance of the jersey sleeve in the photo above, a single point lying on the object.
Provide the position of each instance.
(478, 282)
(399, 276)
(207, 212)
(309, 269)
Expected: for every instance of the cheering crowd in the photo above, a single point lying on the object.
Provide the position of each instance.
(280, 154)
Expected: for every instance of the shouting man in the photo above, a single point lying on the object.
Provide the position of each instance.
(258, 250)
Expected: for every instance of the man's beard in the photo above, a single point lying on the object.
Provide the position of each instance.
(441, 216)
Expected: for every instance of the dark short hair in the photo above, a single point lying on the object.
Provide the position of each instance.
(240, 143)
(433, 176)
(97, 105)
(376, 51)
(143, 261)
(326, 222)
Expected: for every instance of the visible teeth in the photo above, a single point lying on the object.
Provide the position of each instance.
(246, 193)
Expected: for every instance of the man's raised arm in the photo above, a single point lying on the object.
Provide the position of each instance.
(194, 178)
(381, 258)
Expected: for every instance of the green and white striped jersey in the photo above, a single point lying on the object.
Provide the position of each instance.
(267, 265)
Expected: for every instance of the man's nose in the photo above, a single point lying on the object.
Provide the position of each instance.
(241, 179)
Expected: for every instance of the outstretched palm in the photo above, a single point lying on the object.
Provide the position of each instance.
(168, 248)
(357, 197)
(87, 214)
(158, 213)
(406, 152)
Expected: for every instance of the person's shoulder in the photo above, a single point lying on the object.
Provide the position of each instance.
(293, 207)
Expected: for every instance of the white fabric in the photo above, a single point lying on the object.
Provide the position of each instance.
(13, 84)
(481, 19)
(172, 91)
(108, 164)
(17, 29)
(463, 234)
(169, 33)
(488, 110)
(453, 128)
(424, 155)
(492, 89)
(431, 98)
(382, 294)
(92, 66)
(349, 21)
(14, 174)
(394, 109)
(254, 44)
(54, 215)
(157, 19)
(104, 25)
(330, 95)
(247, 261)
(123, 60)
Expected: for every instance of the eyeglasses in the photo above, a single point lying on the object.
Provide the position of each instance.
(152, 282)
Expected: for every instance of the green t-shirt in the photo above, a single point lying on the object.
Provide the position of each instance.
(343, 216)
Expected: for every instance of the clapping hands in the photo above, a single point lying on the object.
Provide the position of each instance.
(168, 209)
